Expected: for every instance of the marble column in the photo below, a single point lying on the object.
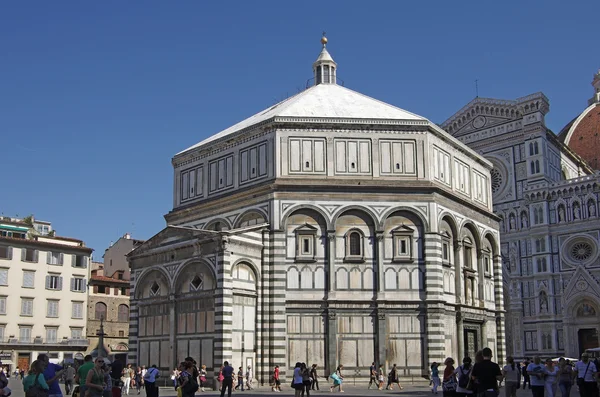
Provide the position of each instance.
(380, 255)
(330, 261)
(458, 267)
(382, 338)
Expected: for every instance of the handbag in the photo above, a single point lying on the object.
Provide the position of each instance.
(449, 384)
(581, 381)
(36, 389)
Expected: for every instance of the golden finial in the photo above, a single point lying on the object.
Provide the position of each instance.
(324, 40)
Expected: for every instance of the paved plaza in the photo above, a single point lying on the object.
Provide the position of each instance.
(420, 389)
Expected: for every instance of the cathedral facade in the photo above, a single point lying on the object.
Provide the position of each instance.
(330, 228)
(546, 196)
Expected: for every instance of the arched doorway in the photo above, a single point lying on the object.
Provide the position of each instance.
(586, 315)
(243, 343)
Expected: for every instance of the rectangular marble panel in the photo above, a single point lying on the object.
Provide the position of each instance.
(297, 351)
(319, 156)
(410, 166)
(253, 163)
(244, 174)
(385, 157)
(294, 158)
(397, 162)
(307, 156)
(229, 171)
(413, 352)
(194, 349)
(182, 349)
(154, 353)
(340, 156)
(364, 157)
(144, 354)
(210, 321)
(165, 350)
(366, 352)
(348, 353)
(262, 160)
(206, 352)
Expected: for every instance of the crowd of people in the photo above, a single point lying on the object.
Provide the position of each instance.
(484, 378)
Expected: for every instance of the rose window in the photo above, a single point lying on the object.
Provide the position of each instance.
(496, 180)
(581, 251)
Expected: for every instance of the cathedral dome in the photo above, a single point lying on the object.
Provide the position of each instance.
(582, 134)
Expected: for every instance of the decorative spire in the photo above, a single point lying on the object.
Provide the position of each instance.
(100, 350)
(324, 67)
(596, 85)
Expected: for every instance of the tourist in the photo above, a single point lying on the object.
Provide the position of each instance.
(203, 374)
(69, 376)
(220, 378)
(82, 372)
(512, 377)
(586, 372)
(175, 378)
(536, 372)
(189, 383)
(314, 377)
(52, 374)
(372, 376)
(487, 373)
(338, 379)
(449, 379)
(227, 379)
(139, 380)
(249, 378)
(381, 376)
(127, 378)
(94, 381)
(35, 378)
(565, 377)
(551, 379)
(435, 377)
(240, 379)
(276, 381)
(463, 372)
(305, 379)
(150, 381)
(297, 384)
(394, 377)
(526, 379)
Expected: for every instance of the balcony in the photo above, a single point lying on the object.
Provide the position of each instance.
(48, 342)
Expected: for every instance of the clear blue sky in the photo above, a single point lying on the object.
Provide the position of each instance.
(96, 97)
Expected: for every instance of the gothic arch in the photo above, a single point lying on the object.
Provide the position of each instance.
(143, 282)
(241, 217)
(410, 210)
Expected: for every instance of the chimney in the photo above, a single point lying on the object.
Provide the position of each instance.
(127, 236)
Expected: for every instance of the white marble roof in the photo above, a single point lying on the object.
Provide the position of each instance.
(327, 101)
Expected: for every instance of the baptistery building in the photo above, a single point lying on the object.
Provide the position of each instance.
(546, 195)
(330, 228)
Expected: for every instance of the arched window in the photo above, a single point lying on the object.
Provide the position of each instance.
(536, 149)
(531, 149)
(100, 311)
(123, 313)
(532, 167)
(537, 166)
(354, 244)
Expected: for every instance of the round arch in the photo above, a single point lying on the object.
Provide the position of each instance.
(410, 210)
(470, 226)
(487, 235)
(450, 220)
(143, 280)
(190, 270)
(241, 217)
(367, 211)
(216, 221)
(250, 264)
(295, 208)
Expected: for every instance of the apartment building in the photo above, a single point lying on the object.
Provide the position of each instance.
(43, 293)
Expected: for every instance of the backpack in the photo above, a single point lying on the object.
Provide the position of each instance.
(36, 389)
(463, 379)
(191, 386)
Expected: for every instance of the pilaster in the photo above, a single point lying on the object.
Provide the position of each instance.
(382, 337)
(223, 308)
(380, 254)
(330, 261)
(173, 330)
(434, 295)
(330, 359)
(277, 304)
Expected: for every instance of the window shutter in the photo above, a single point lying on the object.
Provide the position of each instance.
(61, 259)
(95, 289)
(48, 281)
(48, 258)
(73, 260)
(59, 286)
(116, 292)
(35, 255)
(23, 254)
(10, 251)
(72, 284)
(3, 305)
(83, 285)
(3, 277)
(85, 261)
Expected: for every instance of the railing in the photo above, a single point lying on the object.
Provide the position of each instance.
(310, 82)
(42, 341)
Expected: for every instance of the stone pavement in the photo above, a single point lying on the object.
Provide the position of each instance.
(416, 389)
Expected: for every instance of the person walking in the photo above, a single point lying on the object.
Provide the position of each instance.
(240, 379)
(536, 372)
(314, 377)
(203, 374)
(249, 378)
(305, 379)
(463, 372)
(152, 374)
(227, 379)
(189, 383)
(526, 378)
(338, 379)
(94, 381)
(586, 377)
(449, 379)
(380, 376)
(139, 380)
(565, 377)
(127, 379)
(435, 377)
(297, 384)
(393, 377)
(69, 375)
(276, 381)
(488, 374)
(175, 378)
(372, 375)
(512, 377)
(52, 374)
(551, 378)
(35, 378)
